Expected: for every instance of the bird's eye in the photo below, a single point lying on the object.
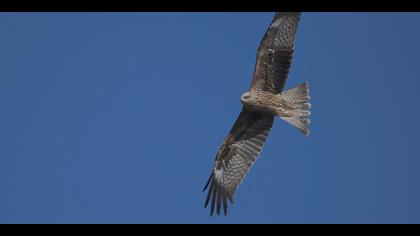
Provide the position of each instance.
(247, 97)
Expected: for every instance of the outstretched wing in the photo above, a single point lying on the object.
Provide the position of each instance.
(237, 154)
(275, 53)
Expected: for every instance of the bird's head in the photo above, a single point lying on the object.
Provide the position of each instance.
(246, 96)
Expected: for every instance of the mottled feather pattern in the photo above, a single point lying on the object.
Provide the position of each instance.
(275, 53)
(245, 152)
(284, 27)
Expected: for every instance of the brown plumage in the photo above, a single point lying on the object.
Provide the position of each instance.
(261, 105)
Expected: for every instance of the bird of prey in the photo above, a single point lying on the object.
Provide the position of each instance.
(260, 105)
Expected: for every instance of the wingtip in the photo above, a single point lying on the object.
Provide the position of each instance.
(217, 199)
(208, 196)
(208, 182)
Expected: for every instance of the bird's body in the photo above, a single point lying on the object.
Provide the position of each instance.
(261, 104)
(271, 104)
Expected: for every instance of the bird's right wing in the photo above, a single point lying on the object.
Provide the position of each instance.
(236, 156)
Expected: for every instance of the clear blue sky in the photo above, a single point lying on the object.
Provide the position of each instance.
(117, 118)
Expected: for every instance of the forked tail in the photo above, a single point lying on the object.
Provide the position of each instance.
(298, 114)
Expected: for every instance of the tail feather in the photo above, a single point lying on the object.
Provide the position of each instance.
(298, 115)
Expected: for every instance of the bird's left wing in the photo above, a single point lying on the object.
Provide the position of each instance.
(275, 53)
(236, 156)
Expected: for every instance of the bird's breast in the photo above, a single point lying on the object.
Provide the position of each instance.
(261, 104)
